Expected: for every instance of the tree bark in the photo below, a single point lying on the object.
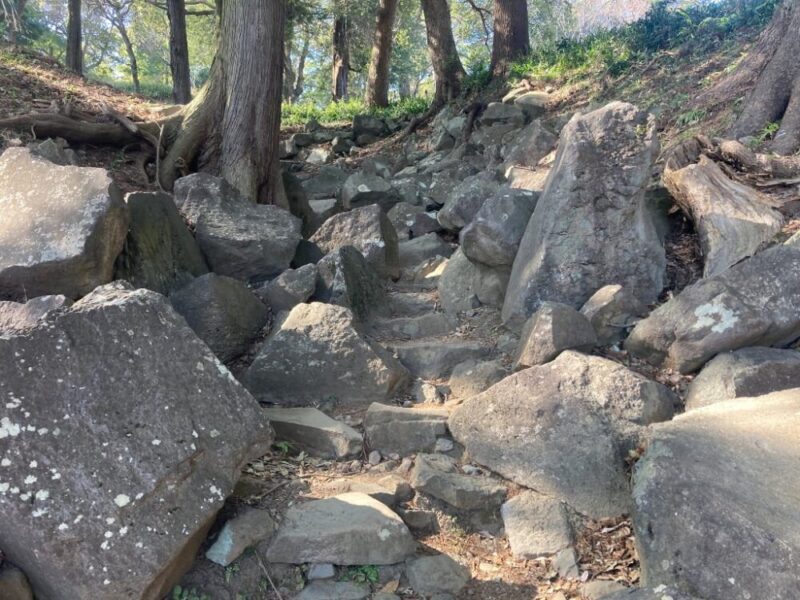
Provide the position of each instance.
(380, 59)
(301, 68)
(288, 69)
(511, 39)
(341, 58)
(232, 126)
(179, 52)
(74, 38)
(447, 68)
(134, 65)
(13, 10)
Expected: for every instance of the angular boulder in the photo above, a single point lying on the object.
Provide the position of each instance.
(238, 238)
(313, 431)
(290, 288)
(591, 226)
(529, 146)
(417, 251)
(464, 201)
(536, 525)
(612, 310)
(532, 428)
(325, 184)
(61, 230)
(437, 475)
(473, 377)
(157, 433)
(464, 284)
(440, 574)
(717, 500)
(367, 229)
(17, 317)
(318, 353)
(345, 278)
(364, 189)
(750, 304)
(391, 429)
(553, 328)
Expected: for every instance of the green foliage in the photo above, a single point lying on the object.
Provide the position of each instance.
(179, 593)
(364, 574)
(283, 447)
(690, 117)
(230, 571)
(766, 134)
(345, 110)
(478, 76)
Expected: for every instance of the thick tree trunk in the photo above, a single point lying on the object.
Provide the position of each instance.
(341, 58)
(447, 68)
(511, 39)
(74, 38)
(380, 59)
(179, 52)
(232, 126)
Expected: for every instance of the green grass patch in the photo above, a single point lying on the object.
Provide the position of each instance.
(344, 111)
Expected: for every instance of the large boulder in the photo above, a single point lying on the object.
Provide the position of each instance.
(121, 435)
(345, 278)
(325, 184)
(744, 373)
(369, 230)
(318, 353)
(591, 226)
(61, 230)
(160, 253)
(463, 201)
(311, 430)
(612, 310)
(750, 304)
(464, 284)
(223, 313)
(494, 235)
(290, 288)
(391, 429)
(363, 189)
(553, 328)
(717, 500)
(532, 428)
(17, 317)
(529, 146)
(239, 238)
(416, 251)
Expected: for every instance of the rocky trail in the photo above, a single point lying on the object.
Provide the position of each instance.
(523, 357)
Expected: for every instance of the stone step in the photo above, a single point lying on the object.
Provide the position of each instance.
(412, 328)
(433, 358)
(411, 303)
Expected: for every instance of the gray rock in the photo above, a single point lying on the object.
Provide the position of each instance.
(661, 592)
(612, 310)
(404, 431)
(410, 304)
(416, 251)
(528, 147)
(565, 562)
(321, 571)
(731, 468)
(54, 150)
(465, 285)
(367, 229)
(425, 223)
(536, 525)
(364, 189)
(13, 584)
(553, 328)
(287, 149)
(750, 304)
(443, 141)
(320, 156)
(334, 590)
(386, 489)
(16, 317)
(289, 289)
(438, 574)
(322, 210)
(533, 104)
(349, 529)
(429, 324)
(368, 125)
(436, 359)
(239, 238)
(160, 253)
(73, 223)
(425, 392)
(600, 588)
(437, 475)
(498, 112)
(471, 377)
(591, 226)
(153, 420)
(402, 216)
(463, 201)
(223, 313)
(315, 432)
(566, 401)
(341, 145)
(317, 353)
(246, 529)
(744, 373)
(421, 521)
(492, 238)
(346, 279)
(325, 184)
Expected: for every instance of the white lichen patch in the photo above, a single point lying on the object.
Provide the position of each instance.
(122, 500)
(715, 316)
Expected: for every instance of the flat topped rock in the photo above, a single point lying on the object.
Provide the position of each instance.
(349, 529)
(432, 359)
(312, 430)
(404, 431)
(61, 230)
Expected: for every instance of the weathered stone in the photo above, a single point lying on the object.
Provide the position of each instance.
(429, 324)
(391, 429)
(750, 304)
(16, 317)
(566, 402)
(13, 584)
(533, 104)
(425, 223)
(289, 289)
(341, 145)
(536, 525)
(246, 529)
(464, 201)
(239, 238)
(410, 304)
(313, 431)
(600, 588)
(325, 184)
(317, 353)
(321, 571)
(160, 253)
(591, 226)
(438, 574)
(494, 235)
(438, 476)
(369, 230)
(363, 189)
(744, 373)
(416, 251)
(346, 279)
(386, 489)
(402, 216)
(307, 253)
(472, 377)
(498, 112)
(422, 521)
(527, 148)
(436, 359)
(661, 592)
(322, 210)
(154, 421)
(61, 230)
(611, 310)
(287, 149)
(369, 125)
(223, 313)
(553, 328)
(717, 500)
(349, 529)
(465, 285)
(334, 590)
(54, 150)
(320, 156)
(443, 141)
(565, 562)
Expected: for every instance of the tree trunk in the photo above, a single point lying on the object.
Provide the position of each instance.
(341, 58)
(447, 68)
(771, 71)
(74, 41)
(123, 32)
(288, 70)
(380, 59)
(179, 52)
(13, 10)
(511, 40)
(232, 126)
(301, 68)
